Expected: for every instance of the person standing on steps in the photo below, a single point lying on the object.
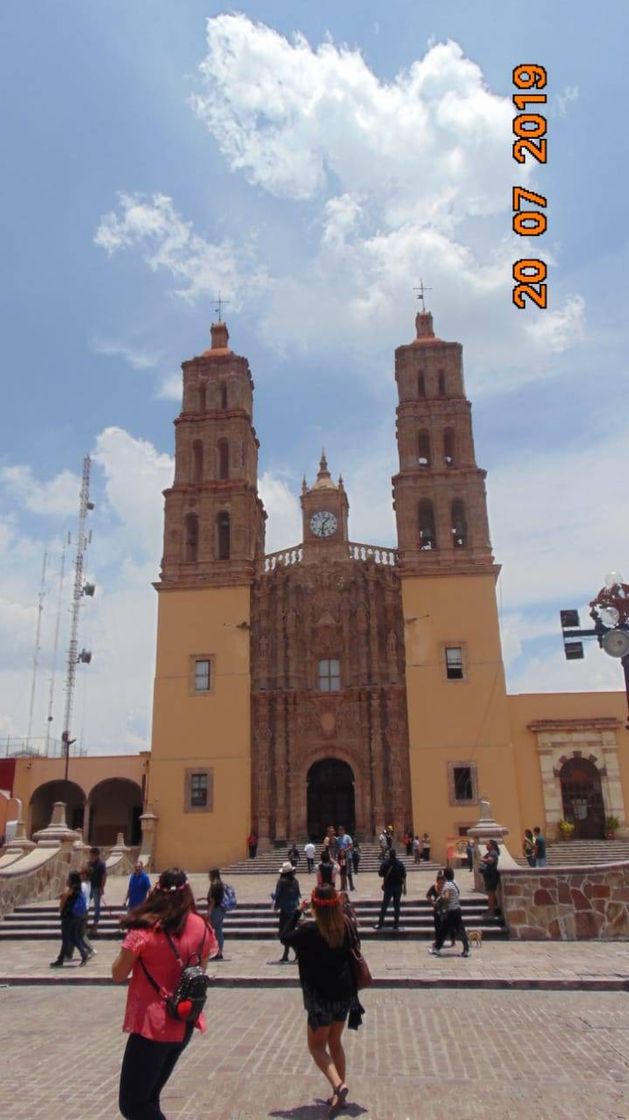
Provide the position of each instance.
(98, 878)
(426, 842)
(489, 870)
(286, 898)
(252, 844)
(528, 847)
(393, 874)
(309, 852)
(540, 848)
(356, 853)
(344, 843)
(452, 926)
(215, 911)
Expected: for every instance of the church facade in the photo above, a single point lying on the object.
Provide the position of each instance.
(338, 681)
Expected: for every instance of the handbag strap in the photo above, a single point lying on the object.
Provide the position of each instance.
(151, 979)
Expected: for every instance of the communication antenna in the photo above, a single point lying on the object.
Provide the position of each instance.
(40, 612)
(79, 590)
(55, 646)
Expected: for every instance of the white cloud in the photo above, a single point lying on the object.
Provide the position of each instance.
(171, 388)
(135, 356)
(385, 181)
(58, 497)
(283, 527)
(168, 243)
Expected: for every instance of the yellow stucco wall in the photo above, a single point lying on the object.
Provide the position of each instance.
(465, 721)
(527, 708)
(196, 730)
(85, 771)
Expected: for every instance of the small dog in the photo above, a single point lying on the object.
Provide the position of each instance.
(475, 937)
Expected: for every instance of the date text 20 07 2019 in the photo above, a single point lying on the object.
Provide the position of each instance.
(529, 128)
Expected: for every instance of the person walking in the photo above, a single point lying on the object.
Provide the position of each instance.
(393, 874)
(98, 878)
(138, 887)
(162, 932)
(491, 875)
(286, 898)
(417, 849)
(540, 848)
(215, 911)
(452, 925)
(293, 855)
(309, 852)
(356, 854)
(252, 844)
(323, 949)
(426, 842)
(327, 869)
(434, 897)
(528, 847)
(72, 908)
(345, 844)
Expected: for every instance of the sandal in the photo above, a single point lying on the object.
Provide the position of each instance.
(338, 1098)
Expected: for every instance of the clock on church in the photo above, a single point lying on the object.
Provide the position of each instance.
(323, 523)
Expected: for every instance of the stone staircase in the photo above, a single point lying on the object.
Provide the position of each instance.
(256, 921)
(567, 853)
(269, 860)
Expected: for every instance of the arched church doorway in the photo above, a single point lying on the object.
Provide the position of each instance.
(330, 798)
(583, 798)
(44, 798)
(115, 805)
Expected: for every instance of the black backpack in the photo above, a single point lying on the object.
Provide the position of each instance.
(188, 999)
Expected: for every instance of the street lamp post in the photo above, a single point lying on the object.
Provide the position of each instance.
(609, 611)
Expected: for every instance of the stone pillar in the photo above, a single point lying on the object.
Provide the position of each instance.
(148, 821)
(487, 828)
(20, 842)
(57, 832)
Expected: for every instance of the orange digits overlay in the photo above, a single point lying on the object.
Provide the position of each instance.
(529, 129)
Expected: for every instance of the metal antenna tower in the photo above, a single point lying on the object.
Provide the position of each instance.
(80, 589)
(40, 612)
(55, 646)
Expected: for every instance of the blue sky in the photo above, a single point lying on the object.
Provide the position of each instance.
(312, 162)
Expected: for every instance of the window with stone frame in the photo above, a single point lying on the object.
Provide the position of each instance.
(454, 664)
(198, 790)
(423, 448)
(223, 535)
(201, 674)
(191, 538)
(462, 783)
(329, 673)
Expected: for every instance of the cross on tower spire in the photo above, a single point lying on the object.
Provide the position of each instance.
(219, 304)
(421, 289)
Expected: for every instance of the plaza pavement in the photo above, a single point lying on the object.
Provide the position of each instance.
(425, 1052)
(418, 1056)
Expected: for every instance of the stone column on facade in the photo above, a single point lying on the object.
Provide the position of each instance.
(148, 824)
(611, 783)
(377, 762)
(57, 832)
(487, 828)
(374, 645)
(260, 771)
(280, 767)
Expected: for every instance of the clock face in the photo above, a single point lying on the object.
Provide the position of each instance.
(323, 523)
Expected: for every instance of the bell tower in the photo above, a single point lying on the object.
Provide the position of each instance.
(214, 519)
(439, 492)
(455, 688)
(200, 775)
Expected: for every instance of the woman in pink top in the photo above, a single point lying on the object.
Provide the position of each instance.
(155, 1039)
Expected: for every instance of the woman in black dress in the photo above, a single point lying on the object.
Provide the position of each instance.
(327, 982)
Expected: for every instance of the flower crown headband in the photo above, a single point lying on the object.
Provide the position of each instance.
(316, 901)
(169, 890)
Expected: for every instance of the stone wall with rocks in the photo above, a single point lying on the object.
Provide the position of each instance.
(567, 904)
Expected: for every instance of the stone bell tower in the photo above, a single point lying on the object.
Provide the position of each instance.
(213, 537)
(455, 688)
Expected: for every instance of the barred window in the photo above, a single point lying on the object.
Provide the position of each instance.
(329, 675)
(454, 663)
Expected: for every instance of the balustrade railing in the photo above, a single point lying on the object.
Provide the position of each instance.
(387, 557)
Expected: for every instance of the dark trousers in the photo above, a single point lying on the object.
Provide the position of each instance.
(71, 939)
(287, 921)
(396, 895)
(146, 1067)
(452, 927)
(310, 864)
